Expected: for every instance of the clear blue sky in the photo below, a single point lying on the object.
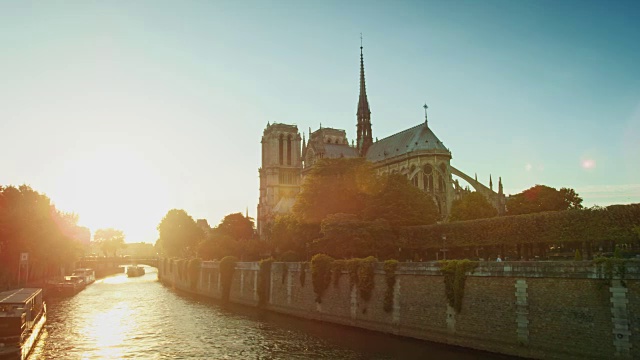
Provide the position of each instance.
(122, 110)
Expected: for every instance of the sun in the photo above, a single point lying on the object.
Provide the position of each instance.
(113, 186)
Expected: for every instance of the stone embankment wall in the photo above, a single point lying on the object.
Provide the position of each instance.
(547, 310)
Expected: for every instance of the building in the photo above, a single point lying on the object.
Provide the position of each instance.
(416, 153)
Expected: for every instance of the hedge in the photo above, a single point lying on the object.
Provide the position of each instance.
(613, 223)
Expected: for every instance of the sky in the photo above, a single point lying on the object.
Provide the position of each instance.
(122, 110)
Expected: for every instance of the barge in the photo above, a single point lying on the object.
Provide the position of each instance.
(23, 314)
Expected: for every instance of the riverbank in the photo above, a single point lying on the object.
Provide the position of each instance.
(571, 310)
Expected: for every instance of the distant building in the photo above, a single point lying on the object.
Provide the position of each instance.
(416, 153)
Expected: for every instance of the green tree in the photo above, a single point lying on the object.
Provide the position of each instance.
(287, 233)
(470, 207)
(334, 186)
(29, 223)
(110, 240)
(347, 236)
(179, 235)
(543, 198)
(237, 226)
(400, 203)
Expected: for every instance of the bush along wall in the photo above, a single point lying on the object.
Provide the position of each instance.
(455, 275)
(227, 267)
(194, 272)
(390, 267)
(303, 272)
(321, 274)
(264, 279)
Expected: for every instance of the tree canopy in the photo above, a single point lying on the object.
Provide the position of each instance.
(334, 186)
(30, 223)
(234, 236)
(179, 234)
(110, 240)
(237, 226)
(543, 198)
(470, 207)
(400, 203)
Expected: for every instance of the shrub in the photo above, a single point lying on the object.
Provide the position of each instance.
(454, 272)
(264, 278)
(390, 267)
(320, 274)
(227, 267)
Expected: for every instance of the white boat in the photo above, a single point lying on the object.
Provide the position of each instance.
(88, 275)
(23, 314)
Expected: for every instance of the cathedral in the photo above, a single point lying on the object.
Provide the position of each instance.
(416, 153)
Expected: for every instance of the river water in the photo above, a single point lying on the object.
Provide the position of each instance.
(125, 318)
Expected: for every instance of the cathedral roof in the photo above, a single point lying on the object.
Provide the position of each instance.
(417, 138)
(340, 150)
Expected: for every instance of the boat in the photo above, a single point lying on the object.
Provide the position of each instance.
(135, 270)
(71, 285)
(88, 275)
(23, 314)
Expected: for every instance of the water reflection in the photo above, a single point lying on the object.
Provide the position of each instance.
(120, 317)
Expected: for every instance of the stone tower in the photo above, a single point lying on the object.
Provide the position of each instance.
(279, 173)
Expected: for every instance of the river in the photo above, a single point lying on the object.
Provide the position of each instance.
(124, 318)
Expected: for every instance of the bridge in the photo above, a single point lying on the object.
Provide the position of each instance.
(100, 264)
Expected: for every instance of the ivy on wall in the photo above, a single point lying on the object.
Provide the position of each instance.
(303, 272)
(336, 270)
(390, 267)
(194, 272)
(366, 270)
(321, 274)
(264, 278)
(227, 267)
(455, 275)
(607, 268)
(285, 271)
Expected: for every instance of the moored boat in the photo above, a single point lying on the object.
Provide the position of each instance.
(23, 314)
(135, 270)
(70, 286)
(88, 275)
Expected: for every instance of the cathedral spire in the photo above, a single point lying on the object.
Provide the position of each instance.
(426, 121)
(365, 138)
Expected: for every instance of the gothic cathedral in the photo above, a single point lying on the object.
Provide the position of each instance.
(416, 153)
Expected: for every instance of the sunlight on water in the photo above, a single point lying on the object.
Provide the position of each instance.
(118, 279)
(108, 329)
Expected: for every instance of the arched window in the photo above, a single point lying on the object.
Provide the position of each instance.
(289, 150)
(280, 149)
(441, 184)
(428, 178)
(414, 180)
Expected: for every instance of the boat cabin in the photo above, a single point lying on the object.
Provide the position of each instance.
(19, 310)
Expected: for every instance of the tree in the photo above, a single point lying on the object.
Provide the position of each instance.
(470, 207)
(237, 226)
(543, 198)
(110, 240)
(287, 233)
(334, 186)
(347, 236)
(400, 203)
(30, 223)
(179, 234)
